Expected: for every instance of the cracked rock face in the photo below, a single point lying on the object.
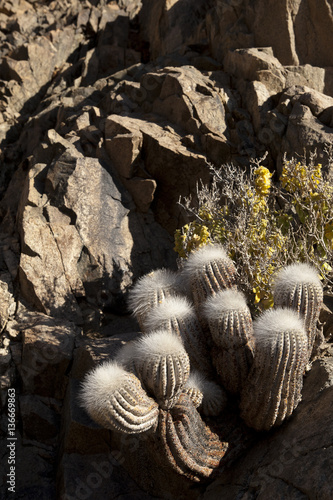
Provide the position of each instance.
(75, 226)
(110, 111)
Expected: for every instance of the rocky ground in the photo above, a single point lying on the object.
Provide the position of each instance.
(109, 112)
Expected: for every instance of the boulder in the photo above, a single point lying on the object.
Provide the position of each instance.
(188, 99)
(32, 67)
(158, 152)
(305, 132)
(42, 272)
(258, 103)
(111, 24)
(306, 75)
(316, 101)
(170, 26)
(247, 63)
(47, 350)
(309, 121)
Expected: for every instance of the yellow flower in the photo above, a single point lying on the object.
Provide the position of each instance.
(329, 231)
(270, 251)
(204, 213)
(256, 292)
(268, 302)
(259, 205)
(262, 181)
(326, 267)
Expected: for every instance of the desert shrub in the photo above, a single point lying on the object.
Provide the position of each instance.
(264, 225)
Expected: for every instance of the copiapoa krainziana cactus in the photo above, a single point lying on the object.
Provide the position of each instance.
(273, 388)
(208, 396)
(193, 388)
(298, 286)
(176, 314)
(162, 364)
(230, 324)
(115, 399)
(151, 290)
(190, 447)
(207, 271)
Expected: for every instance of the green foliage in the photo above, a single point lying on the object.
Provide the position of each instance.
(264, 226)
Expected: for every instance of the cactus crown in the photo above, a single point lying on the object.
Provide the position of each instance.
(156, 280)
(174, 306)
(294, 274)
(196, 380)
(102, 381)
(204, 256)
(224, 301)
(210, 389)
(160, 342)
(275, 321)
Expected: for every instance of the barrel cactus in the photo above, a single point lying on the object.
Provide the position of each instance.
(208, 396)
(298, 286)
(150, 290)
(162, 365)
(115, 399)
(214, 399)
(230, 324)
(161, 402)
(193, 388)
(190, 447)
(207, 271)
(176, 314)
(275, 381)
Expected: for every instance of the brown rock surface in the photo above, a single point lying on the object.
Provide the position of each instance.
(166, 161)
(247, 63)
(47, 349)
(309, 120)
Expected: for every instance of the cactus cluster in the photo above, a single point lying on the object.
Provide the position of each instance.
(200, 349)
